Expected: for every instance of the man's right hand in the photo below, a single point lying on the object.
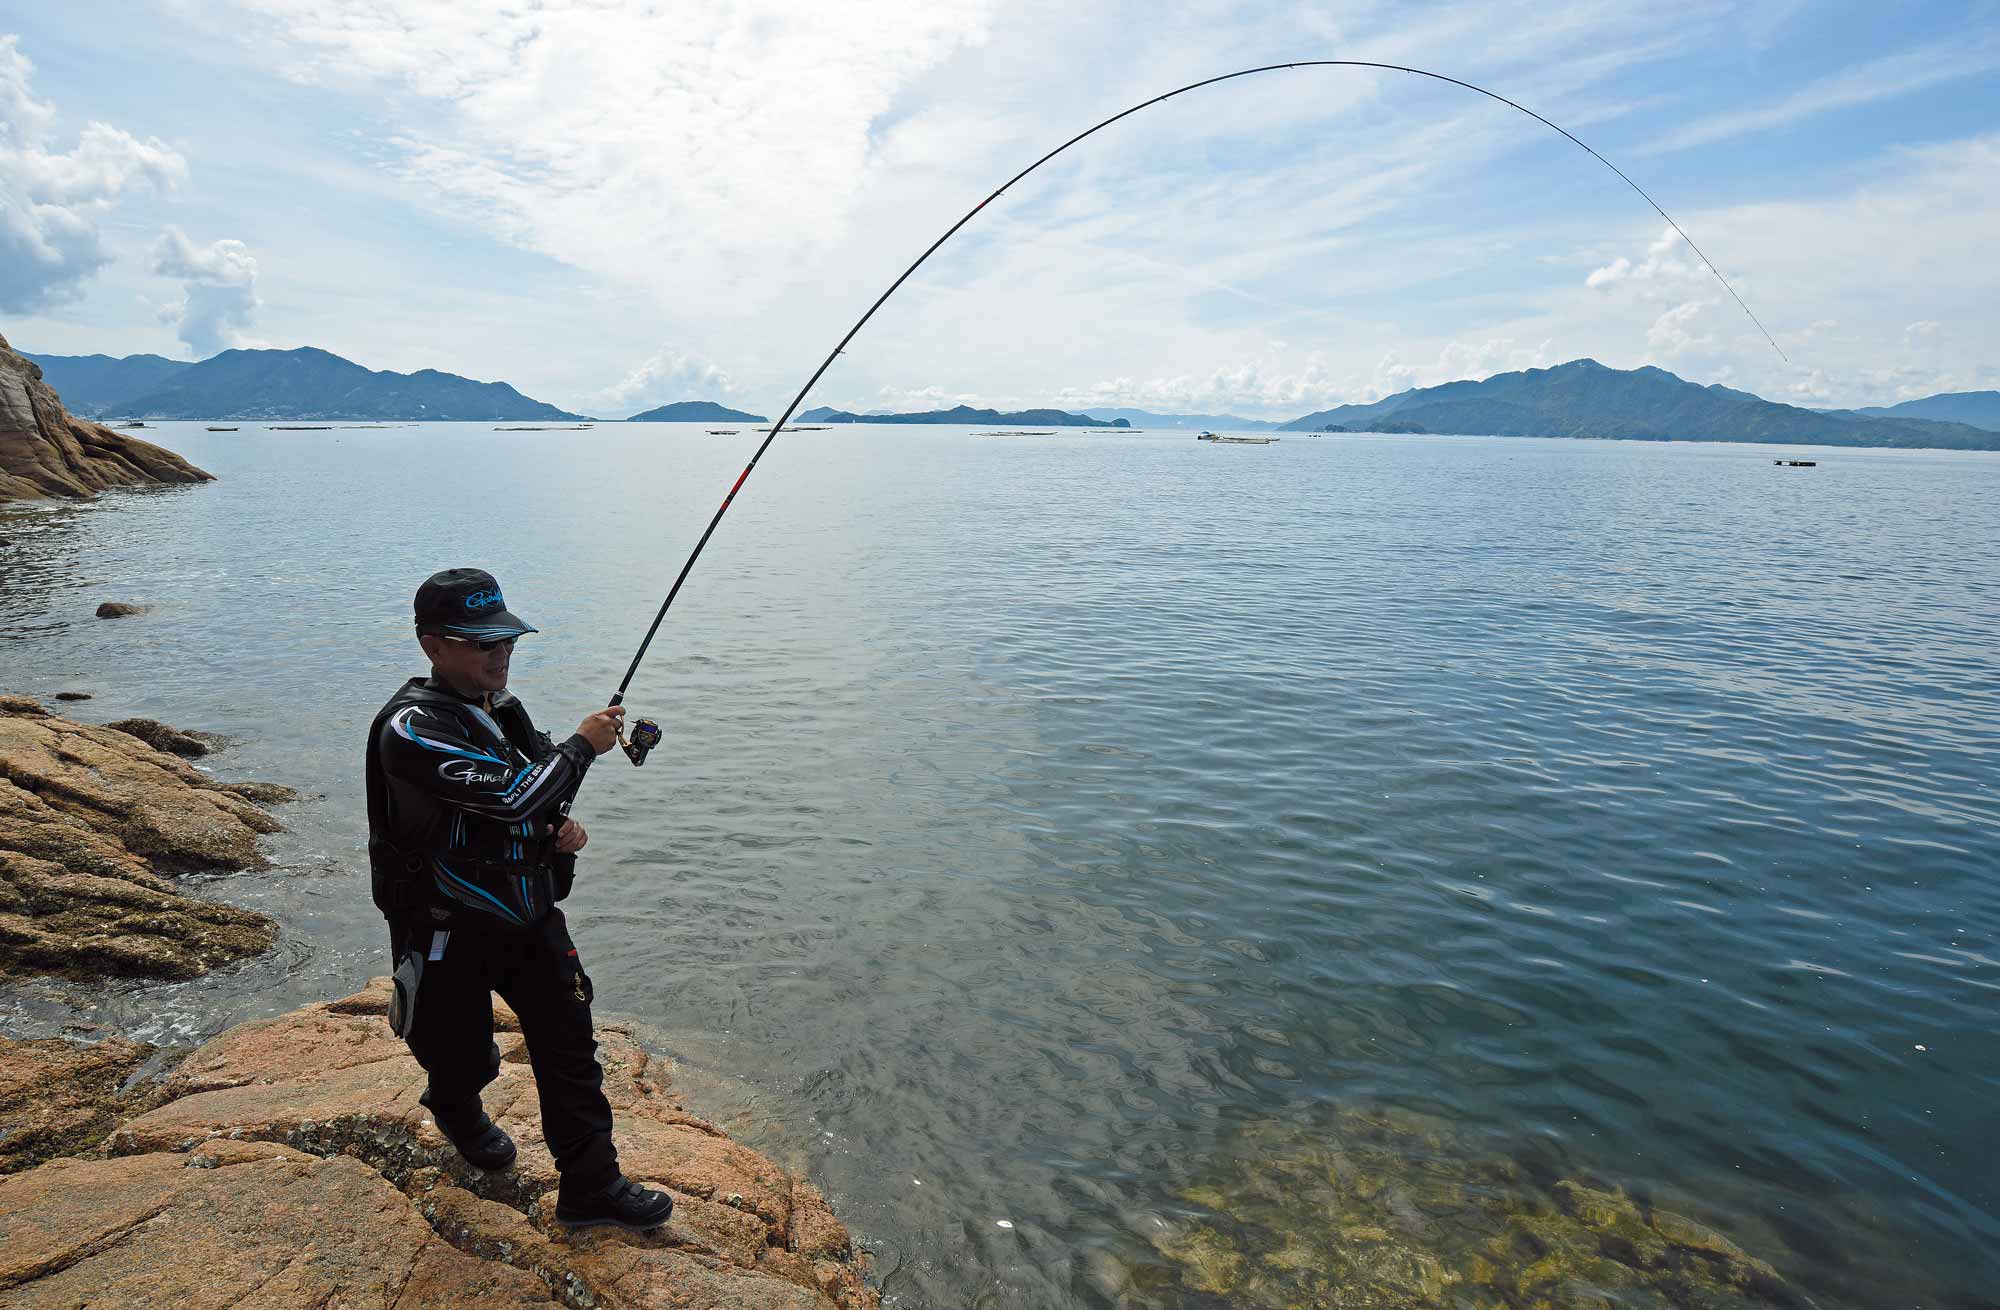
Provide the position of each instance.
(601, 728)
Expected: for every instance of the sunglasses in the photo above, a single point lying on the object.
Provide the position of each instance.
(484, 646)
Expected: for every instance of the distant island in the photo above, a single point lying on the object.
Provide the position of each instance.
(1146, 418)
(1583, 398)
(696, 411)
(965, 414)
(307, 383)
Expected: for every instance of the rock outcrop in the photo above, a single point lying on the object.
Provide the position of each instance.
(45, 452)
(91, 821)
(291, 1164)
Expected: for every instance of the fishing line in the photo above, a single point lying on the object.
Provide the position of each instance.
(619, 696)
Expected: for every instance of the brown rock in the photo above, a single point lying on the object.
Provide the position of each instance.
(45, 452)
(85, 813)
(264, 1228)
(118, 609)
(329, 1080)
(73, 695)
(163, 738)
(60, 1098)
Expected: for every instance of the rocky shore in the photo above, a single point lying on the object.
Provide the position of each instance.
(287, 1161)
(46, 452)
(92, 820)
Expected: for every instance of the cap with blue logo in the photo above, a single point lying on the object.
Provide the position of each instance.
(466, 603)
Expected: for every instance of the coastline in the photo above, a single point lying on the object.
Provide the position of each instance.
(293, 1149)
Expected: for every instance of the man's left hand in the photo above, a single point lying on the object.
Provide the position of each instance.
(570, 838)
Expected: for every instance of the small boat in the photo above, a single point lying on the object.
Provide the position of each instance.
(1206, 435)
(1797, 463)
(128, 425)
(224, 429)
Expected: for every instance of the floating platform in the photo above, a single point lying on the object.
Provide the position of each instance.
(225, 429)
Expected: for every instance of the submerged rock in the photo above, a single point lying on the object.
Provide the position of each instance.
(192, 745)
(118, 609)
(1384, 1210)
(73, 695)
(89, 816)
(291, 1154)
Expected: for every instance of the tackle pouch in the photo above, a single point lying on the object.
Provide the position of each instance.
(403, 1001)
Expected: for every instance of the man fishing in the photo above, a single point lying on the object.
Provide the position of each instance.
(470, 848)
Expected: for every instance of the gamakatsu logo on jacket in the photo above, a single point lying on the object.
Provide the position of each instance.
(469, 771)
(485, 600)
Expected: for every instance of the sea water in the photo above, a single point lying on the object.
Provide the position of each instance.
(1043, 823)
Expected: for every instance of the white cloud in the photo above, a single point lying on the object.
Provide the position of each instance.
(1661, 271)
(1674, 333)
(218, 291)
(1856, 286)
(696, 149)
(1879, 79)
(666, 377)
(51, 200)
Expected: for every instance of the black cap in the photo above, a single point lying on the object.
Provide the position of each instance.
(466, 603)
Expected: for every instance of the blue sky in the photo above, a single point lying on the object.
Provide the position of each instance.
(612, 204)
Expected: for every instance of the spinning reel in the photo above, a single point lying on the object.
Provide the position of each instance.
(645, 736)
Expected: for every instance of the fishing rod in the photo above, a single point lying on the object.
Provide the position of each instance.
(647, 732)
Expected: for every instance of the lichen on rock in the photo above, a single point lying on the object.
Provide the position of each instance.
(59, 1097)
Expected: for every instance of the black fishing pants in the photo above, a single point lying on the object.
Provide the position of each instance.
(538, 974)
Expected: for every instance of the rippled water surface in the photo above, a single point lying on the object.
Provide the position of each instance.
(1039, 813)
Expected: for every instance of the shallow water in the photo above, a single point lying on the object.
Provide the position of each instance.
(1037, 811)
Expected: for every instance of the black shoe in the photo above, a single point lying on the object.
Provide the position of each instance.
(624, 1203)
(484, 1144)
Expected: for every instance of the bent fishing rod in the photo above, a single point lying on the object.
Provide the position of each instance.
(646, 733)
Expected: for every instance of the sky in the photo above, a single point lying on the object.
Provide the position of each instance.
(612, 204)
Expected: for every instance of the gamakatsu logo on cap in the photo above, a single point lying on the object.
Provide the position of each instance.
(485, 600)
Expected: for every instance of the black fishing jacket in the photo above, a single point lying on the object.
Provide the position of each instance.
(462, 799)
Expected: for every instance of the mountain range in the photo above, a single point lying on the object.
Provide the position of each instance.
(1579, 399)
(1979, 408)
(306, 383)
(1583, 398)
(965, 414)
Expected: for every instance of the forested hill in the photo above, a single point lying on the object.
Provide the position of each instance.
(309, 383)
(93, 385)
(696, 411)
(1583, 398)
